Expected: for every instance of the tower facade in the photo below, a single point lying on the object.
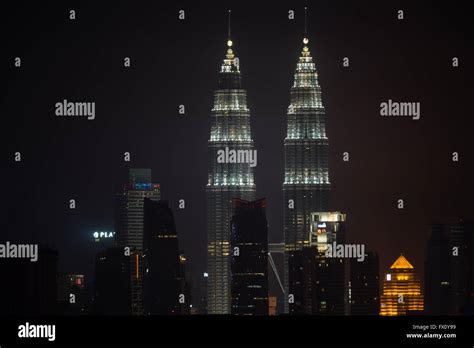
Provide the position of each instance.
(401, 289)
(249, 242)
(306, 187)
(112, 285)
(161, 282)
(364, 290)
(129, 207)
(437, 275)
(129, 226)
(449, 269)
(316, 282)
(229, 176)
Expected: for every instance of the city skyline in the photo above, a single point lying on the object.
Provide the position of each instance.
(67, 219)
(173, 171)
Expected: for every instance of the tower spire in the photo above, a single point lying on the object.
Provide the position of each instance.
(305, 27)
(230, 53)
(229, 25)
(305, 39)
(229, 40)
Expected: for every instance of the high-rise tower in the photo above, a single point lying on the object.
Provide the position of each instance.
(365, 284)
(249, 242)
(129, 226)
(161, 288)
(401, 289)
(316, 283)
(449, 269)
(227, 177)
(306, 187)
(129, 207)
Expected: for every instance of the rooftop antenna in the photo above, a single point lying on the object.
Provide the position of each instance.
(305, 39)
(305, 27)
(229, 41)
(229, 24)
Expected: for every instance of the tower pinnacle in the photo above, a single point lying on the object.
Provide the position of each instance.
(305, 26)
(230, 53)
(229, 41)
(305, 39)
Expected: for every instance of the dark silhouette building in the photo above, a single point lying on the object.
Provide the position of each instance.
(449, 269)
(200, 291)
(29, 288)
(43, 282)
(164, 275)
(184, 286)
(249, 265)
(112, 282)
(437, 272)
(365, 285)
(461, 242)
(72, 294)
(318, 284)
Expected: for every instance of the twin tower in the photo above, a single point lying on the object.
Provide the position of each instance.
(306, 185)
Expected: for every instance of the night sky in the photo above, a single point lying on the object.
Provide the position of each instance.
(176, 62)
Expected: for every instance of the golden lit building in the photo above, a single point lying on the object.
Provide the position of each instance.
(401, 289)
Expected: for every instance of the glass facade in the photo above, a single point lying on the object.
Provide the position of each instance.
(129, 226)
(306, 187)
(249, 245)
(230, 127)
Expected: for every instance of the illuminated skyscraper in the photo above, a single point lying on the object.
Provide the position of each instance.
(129, 226)
(130, 202)
(306, 187)
(230, 128)
(401, 290)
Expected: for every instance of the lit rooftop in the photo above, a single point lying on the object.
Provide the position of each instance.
(401, 263)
